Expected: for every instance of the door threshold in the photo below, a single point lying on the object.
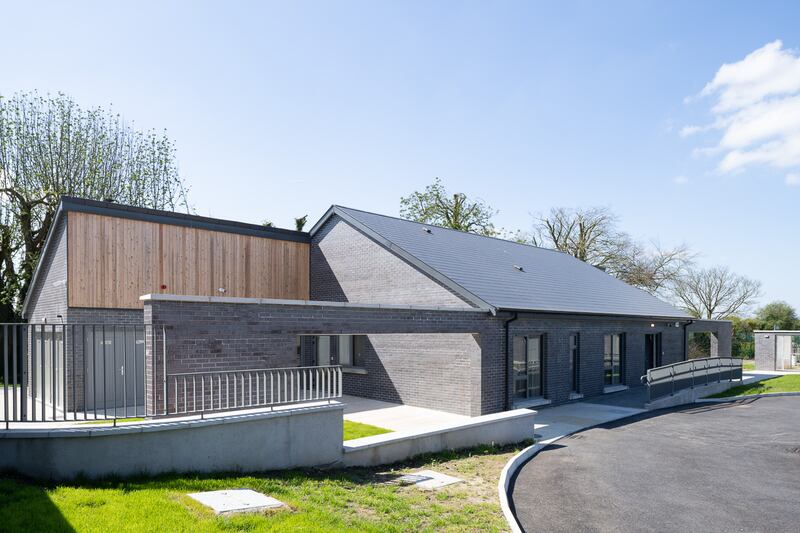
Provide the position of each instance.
(532, 402)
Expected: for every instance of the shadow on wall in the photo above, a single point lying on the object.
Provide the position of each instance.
(325, 285)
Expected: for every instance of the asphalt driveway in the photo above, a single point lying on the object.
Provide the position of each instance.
(717, 467)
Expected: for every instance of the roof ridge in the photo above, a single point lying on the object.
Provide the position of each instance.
(451, 229)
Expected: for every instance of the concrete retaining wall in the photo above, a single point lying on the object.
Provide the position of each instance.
(299, 437)
(690, 395)
(500, 428)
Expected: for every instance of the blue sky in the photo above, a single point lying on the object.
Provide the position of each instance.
(281, 109)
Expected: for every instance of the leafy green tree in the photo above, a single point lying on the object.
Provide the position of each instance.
(437, 207)
(777, 315)
(50, 146)
(300, 222)
(742, 341)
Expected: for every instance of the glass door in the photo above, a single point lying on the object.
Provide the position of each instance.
(520, 369)
(527, 367)
(534, 352)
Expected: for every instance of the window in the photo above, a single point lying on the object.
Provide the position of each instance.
(346, 350)
(342, 350)
(574, 362)
(527, 365)
(614, 358)
(323, 350)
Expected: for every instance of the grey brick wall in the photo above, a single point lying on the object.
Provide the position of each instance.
(437, 370)
(450, 360)
(49, 295)
(556, 332)
(348, 266)
(721, 335)
(422, 370)
(765, 351)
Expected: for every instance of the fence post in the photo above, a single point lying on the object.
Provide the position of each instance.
(164, 358)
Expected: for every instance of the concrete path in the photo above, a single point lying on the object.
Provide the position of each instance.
(397, 417)
(553, 423)
(751, 376)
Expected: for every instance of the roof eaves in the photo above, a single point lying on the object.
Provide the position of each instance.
(671, 318)
(45, 251)
(69, 203)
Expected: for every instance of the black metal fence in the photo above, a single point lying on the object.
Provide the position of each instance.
(669, 379)
(216, 391)
(62, 372)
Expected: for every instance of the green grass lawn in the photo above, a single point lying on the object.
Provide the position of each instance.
(111, 422)
(748, 364)
(356, 499)
(356, 430)
(789, 383)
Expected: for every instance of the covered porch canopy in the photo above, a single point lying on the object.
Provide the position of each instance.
(428, 356)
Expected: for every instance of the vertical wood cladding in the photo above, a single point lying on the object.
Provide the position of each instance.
(113, 261)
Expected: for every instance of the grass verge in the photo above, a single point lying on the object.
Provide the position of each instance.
(355, 499)
(110, 422)
(778, 384)
(356, 430)
(748, 364)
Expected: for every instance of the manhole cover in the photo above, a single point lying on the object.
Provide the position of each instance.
(428, 480)
(234, 501)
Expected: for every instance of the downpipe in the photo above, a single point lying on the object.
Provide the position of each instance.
(508, 360)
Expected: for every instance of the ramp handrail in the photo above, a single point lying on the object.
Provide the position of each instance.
(668, 379)
(231, 390)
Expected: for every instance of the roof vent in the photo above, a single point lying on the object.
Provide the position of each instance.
(518, 267)
(427, 230)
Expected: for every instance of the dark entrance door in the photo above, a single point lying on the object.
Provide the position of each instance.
(652, 350)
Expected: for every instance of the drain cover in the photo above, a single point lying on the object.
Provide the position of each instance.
(428, 480)
(234, 501)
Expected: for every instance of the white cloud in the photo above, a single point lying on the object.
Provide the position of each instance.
(680, 180)
(687, 131)
(757, 110)
(793, 180)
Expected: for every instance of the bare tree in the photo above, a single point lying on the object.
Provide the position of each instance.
(655, 269)
(715, 293)
(49, 146)
(437, 207)
(592, 235)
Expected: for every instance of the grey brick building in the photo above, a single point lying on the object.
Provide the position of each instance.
(414, 314)
(777, 349)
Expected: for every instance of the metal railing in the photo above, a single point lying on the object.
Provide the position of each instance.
(71, 372)
(216, 391)
(669, 379)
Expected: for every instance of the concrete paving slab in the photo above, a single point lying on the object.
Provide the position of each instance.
(428, 480)
(397, 417)
(234, 501)
(555, 422)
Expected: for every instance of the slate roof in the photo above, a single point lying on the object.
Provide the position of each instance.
(485, 270)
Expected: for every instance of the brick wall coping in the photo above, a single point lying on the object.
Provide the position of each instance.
(304, 303)
(167, 424)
